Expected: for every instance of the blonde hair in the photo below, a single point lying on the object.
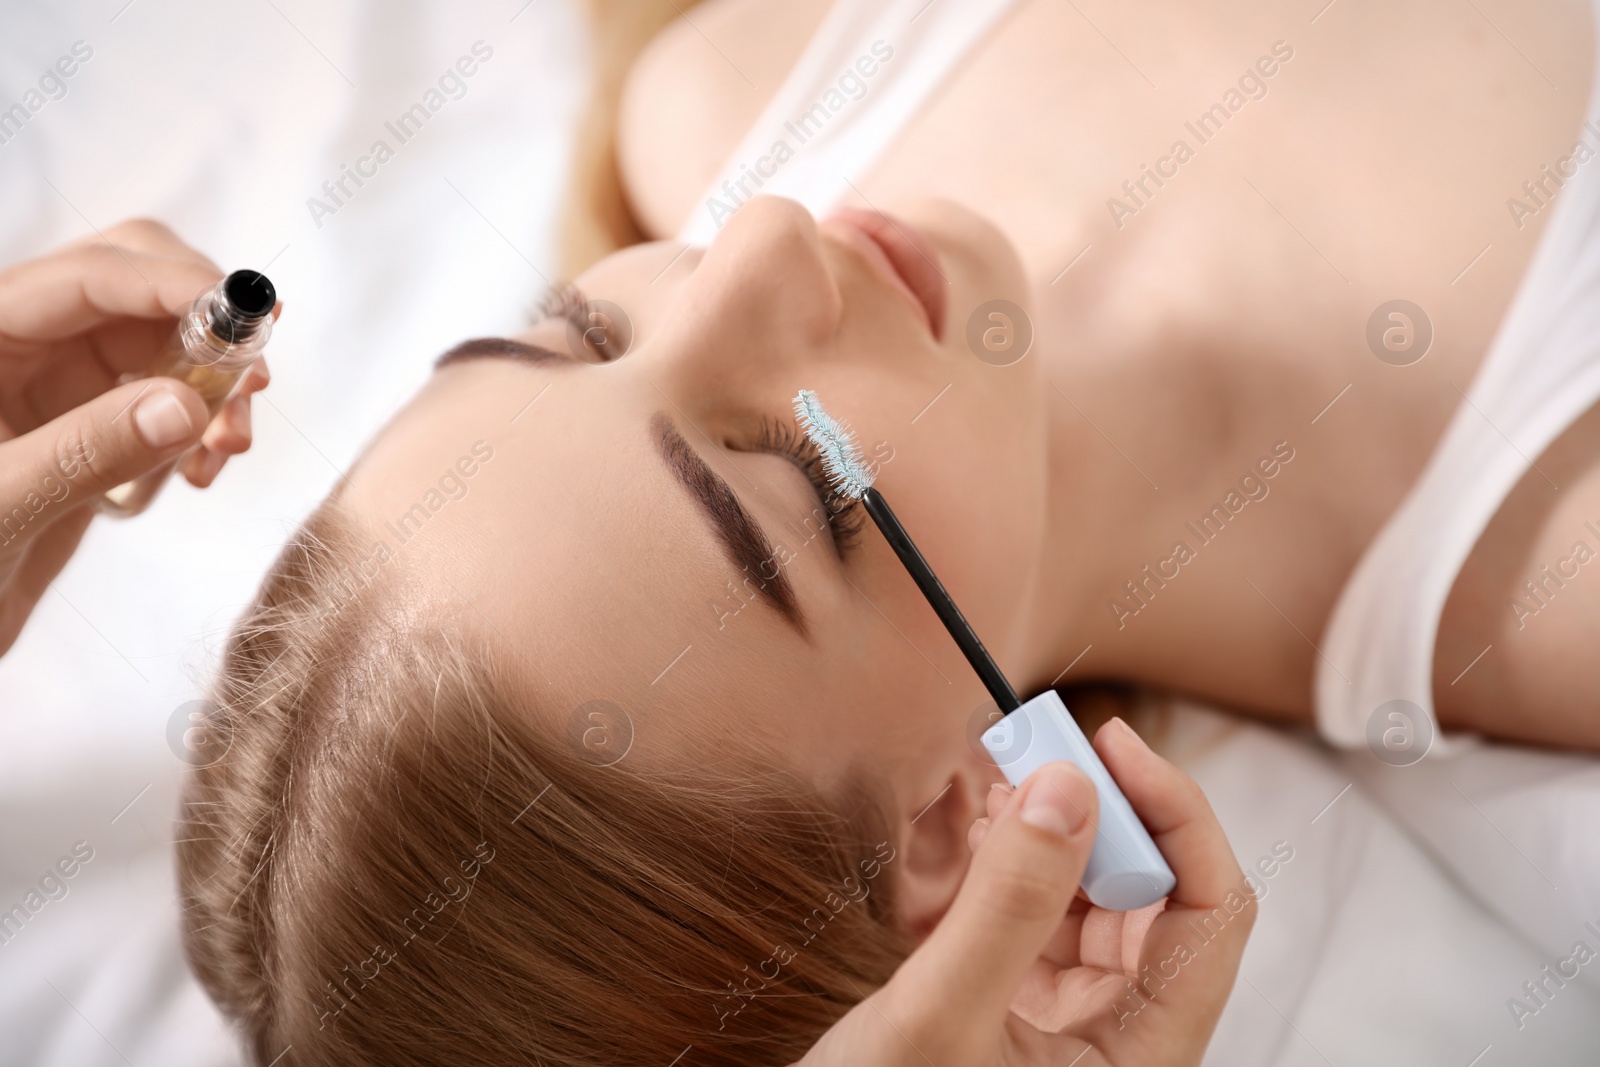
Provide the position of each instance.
(396, 863)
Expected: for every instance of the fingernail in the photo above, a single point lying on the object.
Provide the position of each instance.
(1130, 731)
(162, 420)
(1058, 800)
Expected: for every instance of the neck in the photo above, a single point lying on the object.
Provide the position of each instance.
(1099, 502)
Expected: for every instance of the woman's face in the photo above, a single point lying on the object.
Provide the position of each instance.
(638, 535)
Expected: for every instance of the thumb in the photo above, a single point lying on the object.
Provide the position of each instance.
(1014, 898)
(96, 446)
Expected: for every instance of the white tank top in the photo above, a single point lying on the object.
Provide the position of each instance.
(871, 67)
(863, 77)
(1541, 373)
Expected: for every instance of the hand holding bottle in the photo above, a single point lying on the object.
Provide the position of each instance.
(72, 323)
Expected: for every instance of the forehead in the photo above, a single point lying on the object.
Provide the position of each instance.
(555, 533)
(552, 522)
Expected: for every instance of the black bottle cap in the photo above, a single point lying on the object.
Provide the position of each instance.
(247, 298)
(250, 293)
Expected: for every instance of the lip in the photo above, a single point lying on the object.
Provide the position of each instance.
(904, 256)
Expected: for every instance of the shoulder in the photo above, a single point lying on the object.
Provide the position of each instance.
(695, 90)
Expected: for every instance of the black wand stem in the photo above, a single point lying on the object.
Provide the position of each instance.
(988, 671)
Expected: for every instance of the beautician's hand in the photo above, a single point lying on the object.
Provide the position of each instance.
(71, 323)
(1022, 971)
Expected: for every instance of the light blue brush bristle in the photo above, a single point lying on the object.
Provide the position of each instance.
(841, 458)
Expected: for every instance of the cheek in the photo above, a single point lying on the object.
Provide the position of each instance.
(842, 704)
(972, 491)
(886, 706)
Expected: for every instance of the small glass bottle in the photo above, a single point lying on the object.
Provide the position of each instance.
(218, 339)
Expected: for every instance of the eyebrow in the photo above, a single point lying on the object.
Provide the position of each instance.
(501, 348)
(743, 539)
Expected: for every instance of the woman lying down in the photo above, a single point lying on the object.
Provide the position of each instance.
(587, 722)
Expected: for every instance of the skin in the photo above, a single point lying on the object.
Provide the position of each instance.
(1179, 356)
(1203, 332)
(1206, 335)
(1042, 985)
(617, 571)
(1229, 312)
(1058, 981)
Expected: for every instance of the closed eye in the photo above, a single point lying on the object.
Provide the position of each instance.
(561, 302)
(781, 437)
(565, 302)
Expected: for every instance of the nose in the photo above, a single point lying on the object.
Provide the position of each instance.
(762, 296)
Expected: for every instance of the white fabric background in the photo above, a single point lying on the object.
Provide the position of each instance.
(221, 120)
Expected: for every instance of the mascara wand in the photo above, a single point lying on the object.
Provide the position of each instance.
(841, 458)
(1125, 870)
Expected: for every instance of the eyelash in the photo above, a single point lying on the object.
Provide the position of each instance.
(561, 303)
(570, 304)
(784, 439)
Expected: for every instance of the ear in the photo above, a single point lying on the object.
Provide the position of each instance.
(933, 828)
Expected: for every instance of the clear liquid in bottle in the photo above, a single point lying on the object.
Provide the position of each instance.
(217, 340)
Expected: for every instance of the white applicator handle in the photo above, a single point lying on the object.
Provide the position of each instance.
(1125, 870)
